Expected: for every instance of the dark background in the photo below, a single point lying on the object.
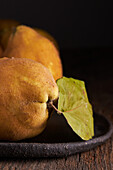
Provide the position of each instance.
(83, 30)
(74, 24)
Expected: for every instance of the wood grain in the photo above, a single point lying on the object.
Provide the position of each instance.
(96, 69)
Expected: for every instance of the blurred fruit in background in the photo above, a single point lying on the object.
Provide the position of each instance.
(25, 42)
(6, 27)
(48, 36)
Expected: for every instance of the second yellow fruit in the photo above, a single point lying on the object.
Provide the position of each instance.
(48, 36)
(24, 42)
(6, 27)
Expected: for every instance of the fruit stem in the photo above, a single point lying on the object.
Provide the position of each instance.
(51, 103)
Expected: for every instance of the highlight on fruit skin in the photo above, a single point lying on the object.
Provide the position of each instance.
(25, 42)
(25, 88)
(6, 27)
(48, 36)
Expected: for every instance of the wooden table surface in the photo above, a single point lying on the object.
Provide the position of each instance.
(95, 67)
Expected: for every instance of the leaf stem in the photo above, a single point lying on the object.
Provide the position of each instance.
(51, 103)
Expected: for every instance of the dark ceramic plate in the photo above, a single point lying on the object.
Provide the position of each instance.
(58, 140)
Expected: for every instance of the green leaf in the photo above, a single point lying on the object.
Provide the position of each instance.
(73, 103)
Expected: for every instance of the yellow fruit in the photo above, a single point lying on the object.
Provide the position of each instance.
(27, 43)
(25, 88)
(47, 35)
(6, 27)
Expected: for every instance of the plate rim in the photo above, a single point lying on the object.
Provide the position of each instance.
(68, 148)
